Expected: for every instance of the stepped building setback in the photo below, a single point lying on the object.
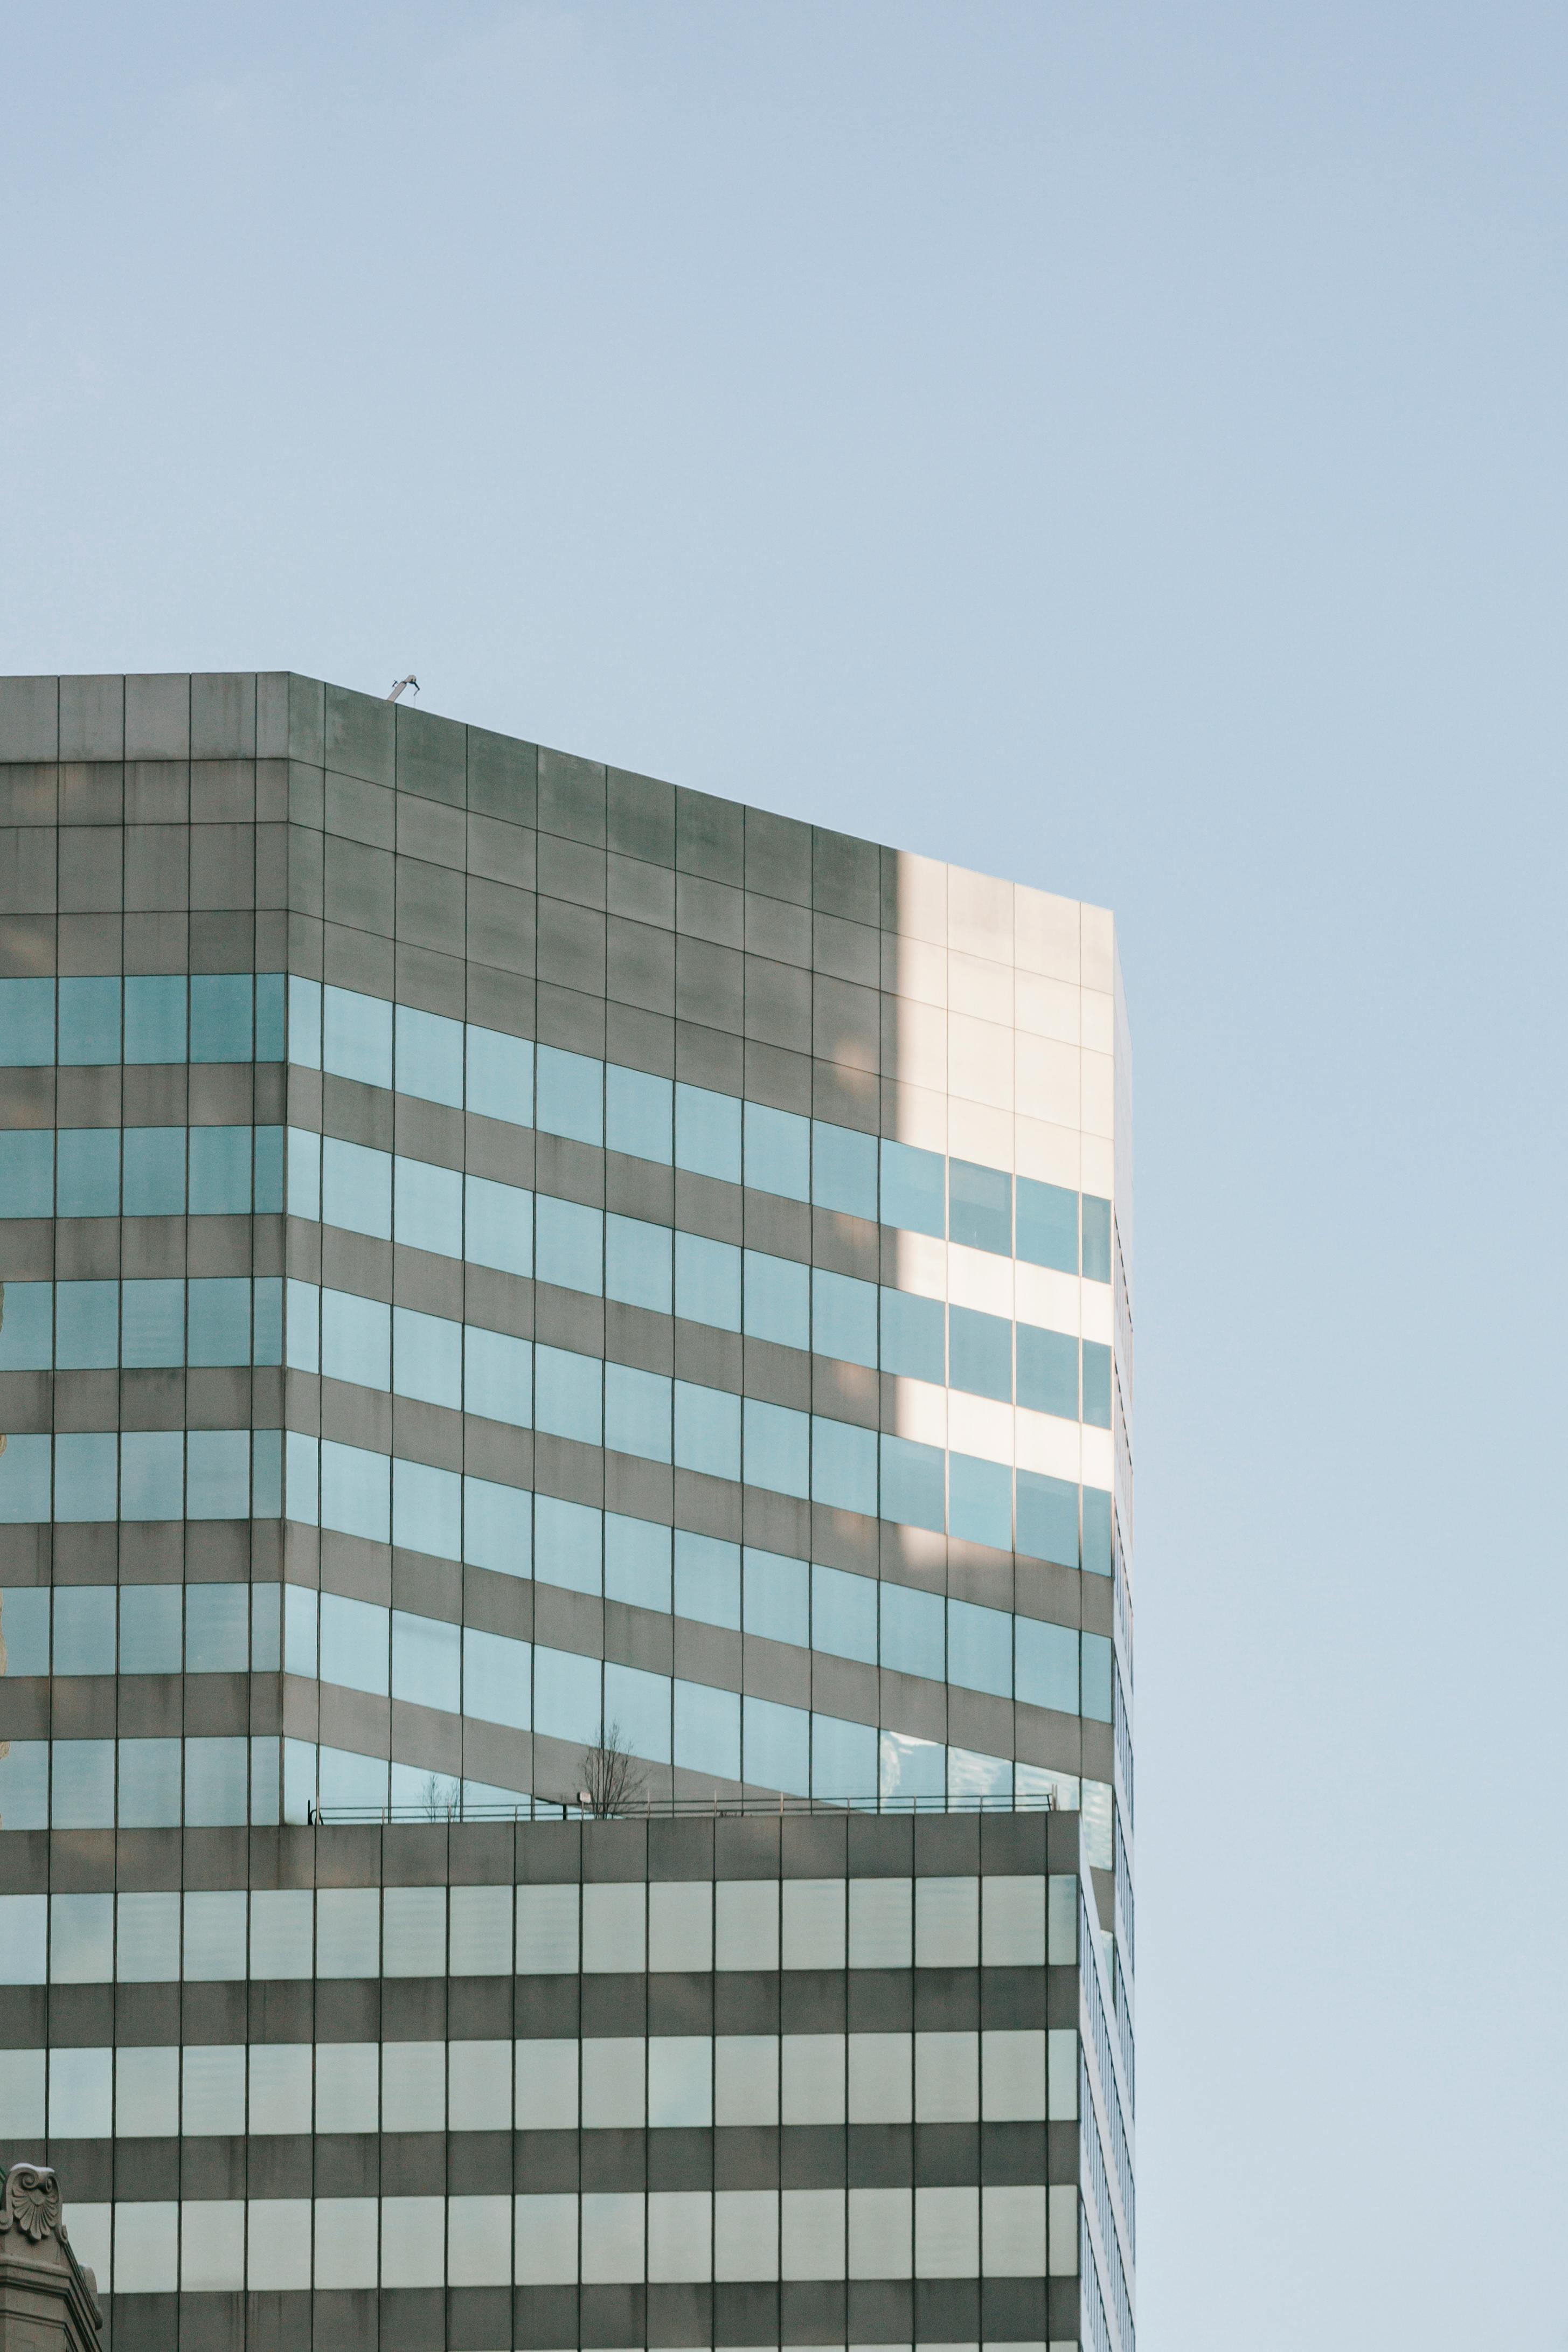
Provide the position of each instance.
(565, 1757)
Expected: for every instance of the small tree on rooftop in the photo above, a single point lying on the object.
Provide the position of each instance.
(612, 1781)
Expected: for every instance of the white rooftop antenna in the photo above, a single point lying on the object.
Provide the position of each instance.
(398, 689)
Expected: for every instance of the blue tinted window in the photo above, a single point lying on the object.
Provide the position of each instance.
(25, 1626)
(708, 1281)
(636, 1562)
(913, 1483)
(707, 1431)
(778, 1745)
(266, 1497)
(636, 1710)
(220, 1017)
(155, 1017)
(429, 1056)
(426, 1662)
(568, 1544)
(913, 1336)
(843, 1170)
(777, 1300)
(571, 1094)
(1096, 1239)
(980, 1648)
(496, 1678)
(89, 1175)
(150, 1784)
(912, 1768)
(1048, 1371)
(356, 1187)
(86, 1325)
(844, 1317)
(1048, 1517)
(356, 1340)
(153, 1318)
(979, 1207)
(1047, 1665)
(356, 1035)
(843, 1466)
(638, 1412)
(26, 1022)
(427, 1207)
(915, 1189)
(844, 1613)
(567, 1699)
(26, 1174)
(913, 1631)
(707, 1580)
(1094, 1662)
(25, 1481)
(980, 1500)
(777, 1593)
(639, 1115)
(217, 1474)
(155, 1171)
(151, 1472)
(304, 1174)
(500, 1075)
(220, 1171)
(218, 1629)
(89, 1021)
(498, 1375)
(149, 1629)
(707, 1133)
(708, 1730)
(570, 1396)
(267, 1343)
(497, 1532)
(499, 1227)
(1097, 1383)
(305, 1023)
(268, 1141)
(980, 1353)
(426, 1508)
(356, 1491)
(428, 1357)
(83, 1794)
(778, 1152)
(639, 1263)
(778, 1447)
(355, 1635)
(1096, 1531)
(84, 1629)
(1048, 1226)
(300, 1642)
(219, 1321)
(269, 1016)
(569, 1244)
(843, 1759)
(27, 1327)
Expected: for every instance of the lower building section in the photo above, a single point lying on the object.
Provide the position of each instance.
(699, 2081)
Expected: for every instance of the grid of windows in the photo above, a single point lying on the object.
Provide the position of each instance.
(231, 1017)
(715, 2109)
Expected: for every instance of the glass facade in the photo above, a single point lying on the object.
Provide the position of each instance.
(513, 1271)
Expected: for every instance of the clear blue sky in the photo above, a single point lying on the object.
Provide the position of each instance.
(1121, 448)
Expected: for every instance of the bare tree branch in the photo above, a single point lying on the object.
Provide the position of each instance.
(612, 1778)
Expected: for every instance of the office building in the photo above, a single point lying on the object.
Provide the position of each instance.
(563, 1549)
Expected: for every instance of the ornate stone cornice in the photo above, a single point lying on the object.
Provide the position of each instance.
(31, 2203)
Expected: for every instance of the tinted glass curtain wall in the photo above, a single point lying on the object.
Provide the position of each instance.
(505, 1260)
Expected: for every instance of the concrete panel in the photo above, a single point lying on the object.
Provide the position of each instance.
(29, 719)
(158, 717)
